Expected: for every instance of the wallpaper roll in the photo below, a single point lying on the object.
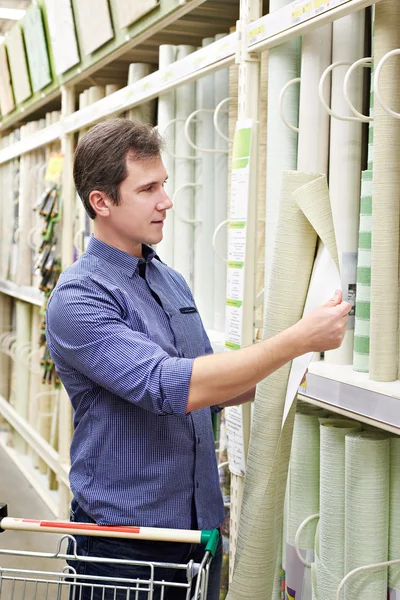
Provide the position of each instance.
(25, 212)
(366, 512)
(313, 140)
(345, 166)
(166, 114)
(260, 526)
(385, 204)
(303, 501)
(329, 562)
(363, 298)
(221, 91)
(284, 65)
(184, 174)
(202, 132)
(262, 187)
(145, 113)
(394, 516)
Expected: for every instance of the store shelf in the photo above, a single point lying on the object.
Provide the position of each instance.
(38, 139)
(211, 58)
(342, 390)
(172, 23)
(298, 18)
(35, 441)
(27, 294)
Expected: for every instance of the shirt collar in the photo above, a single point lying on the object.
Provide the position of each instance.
(120, 259)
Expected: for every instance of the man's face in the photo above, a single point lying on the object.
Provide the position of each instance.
(139, 217)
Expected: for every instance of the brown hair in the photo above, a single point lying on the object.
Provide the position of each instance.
(100, 161)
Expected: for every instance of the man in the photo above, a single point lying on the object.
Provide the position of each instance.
(130, 348)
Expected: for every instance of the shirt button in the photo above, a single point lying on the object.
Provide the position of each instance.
(197, 484)
(198, 440)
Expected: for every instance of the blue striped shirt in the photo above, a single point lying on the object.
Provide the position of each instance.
(124, 346)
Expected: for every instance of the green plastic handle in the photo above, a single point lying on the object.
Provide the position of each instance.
(210, 539)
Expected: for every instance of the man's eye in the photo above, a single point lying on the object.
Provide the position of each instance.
(148, 189)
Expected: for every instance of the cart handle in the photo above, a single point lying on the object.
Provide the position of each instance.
(210, 539)
(206, 538)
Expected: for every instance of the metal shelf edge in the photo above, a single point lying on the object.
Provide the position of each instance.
(375, 408)
(289, 22)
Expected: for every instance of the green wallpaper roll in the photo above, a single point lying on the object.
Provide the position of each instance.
(303, 499)
(363, 297)
(329, 562)
(385, 204)
(366, 512)
(394, 527)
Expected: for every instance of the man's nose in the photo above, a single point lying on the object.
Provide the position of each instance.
(165, 203)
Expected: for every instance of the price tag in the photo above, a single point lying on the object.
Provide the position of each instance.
(54, 167)
(321, 4)
(256, 33)
(301, 11)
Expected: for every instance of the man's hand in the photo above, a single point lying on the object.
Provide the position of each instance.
(324, 328)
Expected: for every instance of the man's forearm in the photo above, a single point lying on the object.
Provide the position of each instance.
(223, 378)
(220, 378)
(242, 399)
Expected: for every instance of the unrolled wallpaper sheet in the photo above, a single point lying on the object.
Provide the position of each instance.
(36, 48)
(130, 11)
(6, 95)
(95, 24)
(305, 216)
(18, 65)
(62, 34)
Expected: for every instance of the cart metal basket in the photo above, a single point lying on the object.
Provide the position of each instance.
(67, 584)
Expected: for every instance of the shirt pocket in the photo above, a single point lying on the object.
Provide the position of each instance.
(188, 331)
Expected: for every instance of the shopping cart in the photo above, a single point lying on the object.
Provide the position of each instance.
(67, 584)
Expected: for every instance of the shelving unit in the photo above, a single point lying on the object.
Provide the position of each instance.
(172, 22)
(335, 388)
(353, 395)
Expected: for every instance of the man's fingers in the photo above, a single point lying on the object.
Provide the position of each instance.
(344, 308)
(336, 299)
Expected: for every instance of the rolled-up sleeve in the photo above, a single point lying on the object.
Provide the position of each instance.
(86, 330)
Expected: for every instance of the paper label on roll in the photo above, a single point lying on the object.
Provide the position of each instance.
(298, 577)
(349, 279)
(235, 443)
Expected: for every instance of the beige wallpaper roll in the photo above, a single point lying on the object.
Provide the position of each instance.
(260, 526)
(385, 203)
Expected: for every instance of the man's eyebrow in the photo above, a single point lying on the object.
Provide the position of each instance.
(149, 183)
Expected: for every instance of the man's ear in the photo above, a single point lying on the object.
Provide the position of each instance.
(100, 203)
